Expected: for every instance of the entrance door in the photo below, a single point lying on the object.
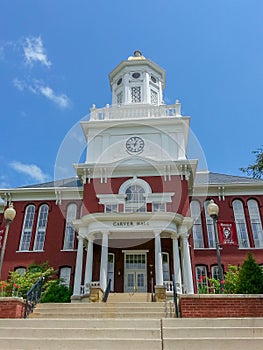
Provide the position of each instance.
(135, 277)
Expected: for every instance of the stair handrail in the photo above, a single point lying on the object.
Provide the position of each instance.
(107, 292)
(175, 297)
(33, 296)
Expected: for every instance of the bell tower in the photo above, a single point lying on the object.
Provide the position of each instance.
(137, 80)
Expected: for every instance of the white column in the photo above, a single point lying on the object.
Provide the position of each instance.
(104, 261)
(177, 264)
(89, 263)
(187, 268)
(158, 260)
(78, 268)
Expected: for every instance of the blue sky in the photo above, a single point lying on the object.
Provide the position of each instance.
(55, 57)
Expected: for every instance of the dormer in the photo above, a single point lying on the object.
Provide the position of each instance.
(137, 80)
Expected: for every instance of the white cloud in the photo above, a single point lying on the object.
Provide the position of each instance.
(61, 100)
(38, 88)
(19, 84)
(31, 170)
(34, 51)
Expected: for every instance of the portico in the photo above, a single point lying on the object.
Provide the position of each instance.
(126, 256)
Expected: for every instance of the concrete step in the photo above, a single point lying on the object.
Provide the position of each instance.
(213, 322)
(34, 343)
(213, 343)
(123, 315)
(130, 297)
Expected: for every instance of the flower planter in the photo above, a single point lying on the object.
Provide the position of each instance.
(12, 307)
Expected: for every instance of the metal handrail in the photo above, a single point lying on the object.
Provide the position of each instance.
(107, 292)
(175, 297)
(33, 296)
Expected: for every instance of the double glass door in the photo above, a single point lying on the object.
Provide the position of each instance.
(135, 276)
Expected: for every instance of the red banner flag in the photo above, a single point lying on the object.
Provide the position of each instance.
(227, 233)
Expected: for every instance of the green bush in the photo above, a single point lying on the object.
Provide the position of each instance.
(250, 277)
(56, 292)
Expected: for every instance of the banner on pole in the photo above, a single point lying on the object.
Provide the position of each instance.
(227, 233)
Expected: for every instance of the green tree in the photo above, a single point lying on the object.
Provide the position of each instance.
(255, 170)
(56, 292)
(250, 277)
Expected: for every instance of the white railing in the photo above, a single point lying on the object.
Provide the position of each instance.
(135, 111)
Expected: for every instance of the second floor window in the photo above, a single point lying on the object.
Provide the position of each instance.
(27, 228)
(241, 225)
(41, 227)
(255, 221)
(135, 199)
(210, 228)
(197, 226)
(69, 231)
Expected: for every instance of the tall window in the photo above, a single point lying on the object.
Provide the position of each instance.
(255, 221)
(197, 226)
(27, 228)
(166, 269)
(70, 232)
(201, 279)
(41, 227)
(64, 275)
(209, 228)
(241, 225)
(111, 259)
(135, 199)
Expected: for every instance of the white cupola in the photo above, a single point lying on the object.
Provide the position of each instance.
(137, 80)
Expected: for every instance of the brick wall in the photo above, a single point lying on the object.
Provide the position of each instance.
(12, 307)
(211, 305)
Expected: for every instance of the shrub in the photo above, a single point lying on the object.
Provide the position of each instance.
(56, 292)
(250, 277)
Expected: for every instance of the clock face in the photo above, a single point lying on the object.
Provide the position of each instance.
(135, 145)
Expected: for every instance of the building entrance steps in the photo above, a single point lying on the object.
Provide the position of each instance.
(75, 326)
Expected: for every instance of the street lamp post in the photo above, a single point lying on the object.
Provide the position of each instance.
(9, 215)
(213, 211)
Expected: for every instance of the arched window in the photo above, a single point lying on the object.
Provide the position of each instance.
(201, 279)
(64, 275)
(69, 231)
(135, 199)
(197, 226)
(241, 225)
(41, 227)
(209, 228)
(27, 228)
(21, 270)
(255, 221)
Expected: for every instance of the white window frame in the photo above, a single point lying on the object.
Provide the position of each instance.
(65, 275)
(69, 236)
(158, 207)
(197, 229)
(255, 222)
(209, 227)
(241, 225)
(201, 270)
(41, 228)
(166, 267)
(26, 235)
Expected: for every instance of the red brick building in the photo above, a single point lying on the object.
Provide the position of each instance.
(137, 211)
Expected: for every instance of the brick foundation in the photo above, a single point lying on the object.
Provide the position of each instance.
(12, 307)
(214, 305)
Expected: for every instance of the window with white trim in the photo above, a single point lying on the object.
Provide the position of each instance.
(111, 208)
(135, 199)
(201, 279)
(119, 98)
(166, 268)
(20, 270)
(69, 236)
(65, 275)
(209, 227)
(215, 272)
(197, 226)
(158, 207)
(241, 224)
(27, 228)
(41, 227)
(255, 222)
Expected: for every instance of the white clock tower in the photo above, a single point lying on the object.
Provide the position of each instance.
(136, 179)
